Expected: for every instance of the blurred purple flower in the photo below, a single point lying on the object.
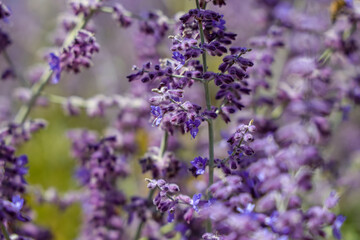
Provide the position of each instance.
(17, 202)
(54, 63)
(171, 215)
(13, 208)
(195, 201)
(156, 111)
(337, 225)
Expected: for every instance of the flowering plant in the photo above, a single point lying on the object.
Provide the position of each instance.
(231, 127)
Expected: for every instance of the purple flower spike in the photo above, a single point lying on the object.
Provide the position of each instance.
(180, 58)
(337, 225)
(54, 64)
(156, 111)
(200, 164)
(193, 126)
(195, 201)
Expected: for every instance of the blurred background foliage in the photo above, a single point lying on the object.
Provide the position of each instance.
(51, 165)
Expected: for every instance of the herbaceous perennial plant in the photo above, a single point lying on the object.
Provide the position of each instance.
(271, 99)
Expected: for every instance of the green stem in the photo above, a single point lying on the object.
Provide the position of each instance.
(36, 90)
(164, 143)
(210, 122)
(163, 147)
(4, 231)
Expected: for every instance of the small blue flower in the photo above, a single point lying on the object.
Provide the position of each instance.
(195, 201)
(17, 202)
(54, 64)
(248, 210)
(219, 24)
(83, 175)
(21, 161)
(337, 225)
(156, 111)
(14, 207)
(210, 202)
(171, 215)
(180, 58)
(200, 164)
(193, 126)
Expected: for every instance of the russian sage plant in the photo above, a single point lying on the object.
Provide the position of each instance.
(231, 139)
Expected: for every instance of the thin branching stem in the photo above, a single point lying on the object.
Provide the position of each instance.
(37, 88)
(163, 147)
(210, 122)
(4, 231)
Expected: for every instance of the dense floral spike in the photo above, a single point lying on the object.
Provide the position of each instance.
(77, 55)
(13, 184)
(176, 75)
(264, 50)
(99, 169)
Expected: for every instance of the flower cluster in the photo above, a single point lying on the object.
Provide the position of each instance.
(77, 55)
(99, 169)
(85, 6)
(167, 166)
(13, 184)
(121, 15)
(166, 201)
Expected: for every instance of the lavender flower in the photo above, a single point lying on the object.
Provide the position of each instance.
(54, 64)
(192, 126)
(78, 54)
(260, 179)
(13, 208)
(121, 15)
(156, 112)
(195, 201)
(199, 164)
(180, 58)
(337, 225)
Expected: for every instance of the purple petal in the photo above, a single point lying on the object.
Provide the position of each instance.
(171, 216)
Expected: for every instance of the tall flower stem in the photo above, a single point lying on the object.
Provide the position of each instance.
(38, 87)
(4, 231)
(210, 122)
(163, 147)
